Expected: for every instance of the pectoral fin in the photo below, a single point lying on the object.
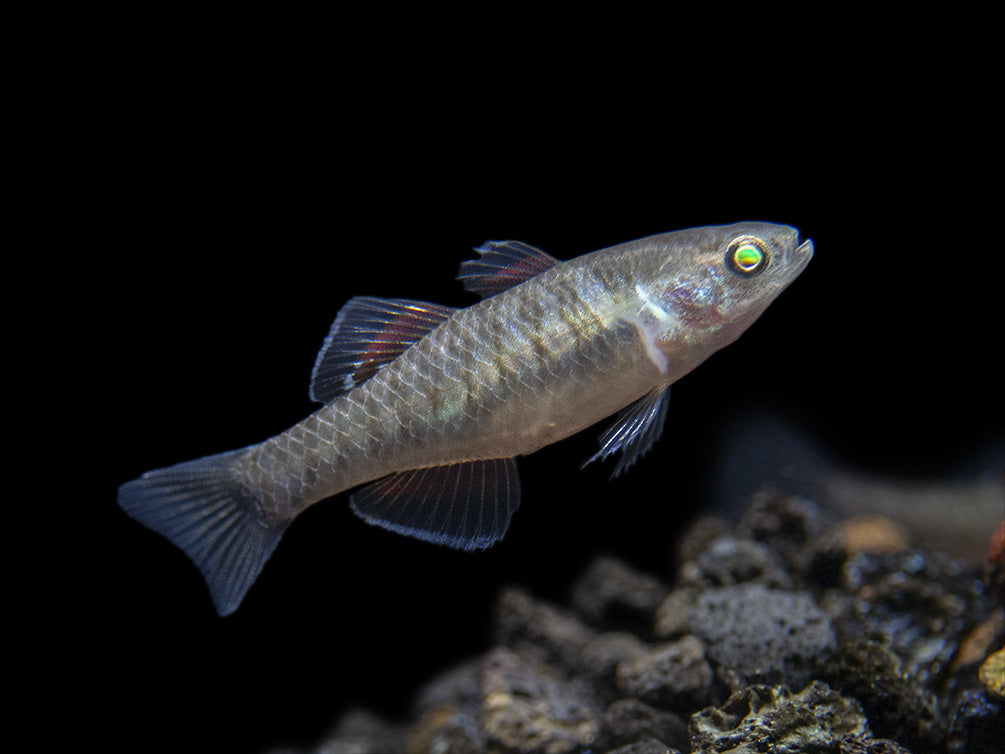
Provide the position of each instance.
(367, 334)
(635, 430)
(463, 505)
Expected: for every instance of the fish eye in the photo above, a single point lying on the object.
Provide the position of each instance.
(747, 256)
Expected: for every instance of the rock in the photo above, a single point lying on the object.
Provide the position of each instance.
(799, 533)
(457, 686)
(528, 707)
(867, 745)
(728, 561)
(539, 630)
(361, 732)
(981, 641)
(447, 712)
(628, 720)
(900, 645)
(875, 535)
(921, 606)
(762, 718)
(897, 706)
(599, 659)
(978, 725)
(700, 534)
(649, 746)
(672, 676)
(762, 635)
(788, 524)
(671, 615)
(905, 623)
(992, 674)
(611, 594)
(994, 566)
(447, 728)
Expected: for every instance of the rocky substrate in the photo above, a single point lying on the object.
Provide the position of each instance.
(780, 633)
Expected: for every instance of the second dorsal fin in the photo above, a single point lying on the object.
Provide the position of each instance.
(367, 334)
(502, 265)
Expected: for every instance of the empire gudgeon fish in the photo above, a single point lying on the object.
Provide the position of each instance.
(428, 407)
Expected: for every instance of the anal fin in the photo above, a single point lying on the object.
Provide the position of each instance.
(464, 505)
(635, 429)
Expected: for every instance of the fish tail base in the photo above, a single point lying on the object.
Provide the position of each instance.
(202, 508)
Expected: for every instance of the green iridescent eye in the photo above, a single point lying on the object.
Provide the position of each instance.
(747, 256)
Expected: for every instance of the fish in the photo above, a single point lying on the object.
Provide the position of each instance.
(426, 407)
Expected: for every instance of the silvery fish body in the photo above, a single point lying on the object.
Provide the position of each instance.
(428, 407)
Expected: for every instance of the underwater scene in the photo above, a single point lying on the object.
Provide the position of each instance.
(470, 452)
(753, 580)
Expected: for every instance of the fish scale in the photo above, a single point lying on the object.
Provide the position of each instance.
(426, 408)
(304, 464)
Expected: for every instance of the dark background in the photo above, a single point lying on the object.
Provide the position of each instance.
(232, 215)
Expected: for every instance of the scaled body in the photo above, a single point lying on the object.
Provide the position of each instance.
(432, 405)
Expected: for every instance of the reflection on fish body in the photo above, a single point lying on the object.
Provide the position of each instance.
(428, 406)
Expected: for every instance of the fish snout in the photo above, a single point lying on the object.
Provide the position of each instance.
(800, 256)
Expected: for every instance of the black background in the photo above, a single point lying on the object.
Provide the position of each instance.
(234, 212)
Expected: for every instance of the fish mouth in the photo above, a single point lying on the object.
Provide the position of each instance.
(797, 256)
(802, 255)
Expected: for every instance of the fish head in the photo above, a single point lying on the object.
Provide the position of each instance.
(708, 285)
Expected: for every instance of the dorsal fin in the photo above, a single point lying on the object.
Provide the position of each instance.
(367, 334)
(502, 265)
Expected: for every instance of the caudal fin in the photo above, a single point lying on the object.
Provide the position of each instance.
(202, 508)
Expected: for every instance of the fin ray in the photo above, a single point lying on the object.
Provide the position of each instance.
(200, 507)
(464, 505)
(502, 265)
(368, 333)
(634, 430)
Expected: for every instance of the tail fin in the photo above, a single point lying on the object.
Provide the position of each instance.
(202, 508)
